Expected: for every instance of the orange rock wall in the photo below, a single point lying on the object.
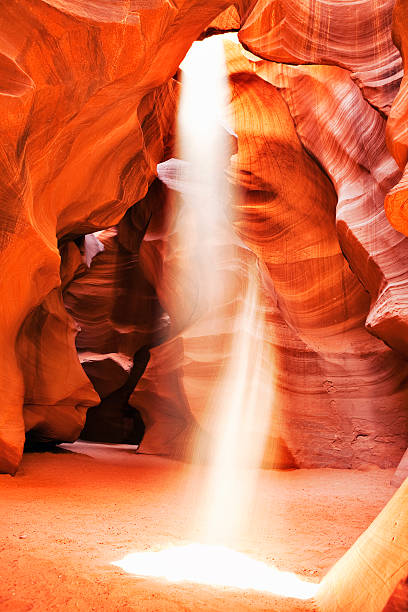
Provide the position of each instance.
(89, 105)
(285, 194)
(397, 136)
(87, 99)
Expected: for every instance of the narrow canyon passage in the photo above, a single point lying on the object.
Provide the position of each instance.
(204, 305)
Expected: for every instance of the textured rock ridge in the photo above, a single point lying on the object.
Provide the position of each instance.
(89, 107)
(397, 136)
(362, 172)
(353, 35)
(88, 100)
(119, 315)
(285, 194)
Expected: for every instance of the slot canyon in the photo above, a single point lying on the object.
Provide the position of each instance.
(204, 305)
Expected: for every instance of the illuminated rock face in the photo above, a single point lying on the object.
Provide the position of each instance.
(88, 100)
(372, 575)
(90, 105)
(397, 138)
(286, 194)
(355, 36)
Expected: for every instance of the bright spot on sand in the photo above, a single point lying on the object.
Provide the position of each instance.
(216, 566)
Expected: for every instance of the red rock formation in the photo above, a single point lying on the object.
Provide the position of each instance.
(284, 194)
(366, 577)
(86, 92)
(173, 395)
(362, 172)
(117, 311)
(356, 36)
(89, 102)
(397, 137)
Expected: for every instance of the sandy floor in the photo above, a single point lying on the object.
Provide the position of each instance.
(67, 515)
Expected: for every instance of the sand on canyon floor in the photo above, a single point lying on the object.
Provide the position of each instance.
(67, 515)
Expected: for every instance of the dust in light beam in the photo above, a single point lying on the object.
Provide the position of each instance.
(244, 395)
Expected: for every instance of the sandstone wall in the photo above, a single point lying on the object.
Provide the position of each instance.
(89, 106)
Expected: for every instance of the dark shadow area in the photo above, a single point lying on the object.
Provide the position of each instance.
(114, 420)
(33, 446)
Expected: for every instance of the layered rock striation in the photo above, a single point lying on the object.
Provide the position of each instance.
(87, 96)
(397, 137)
(89, 102)
(284, 193)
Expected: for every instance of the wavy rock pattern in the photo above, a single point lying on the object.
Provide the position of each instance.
(117, 311)
(362, 172)
(85, 88)
(285, 194)
(397, 133)
(183, 373)
(87, 92)
(353, 35)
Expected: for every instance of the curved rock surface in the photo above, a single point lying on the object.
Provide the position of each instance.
(397, 133)
(352, 35)
(362, 172)
(88, 100)
(90, 104)
(117, 311)
(174, 395)
(285, 194)
(372, 572)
